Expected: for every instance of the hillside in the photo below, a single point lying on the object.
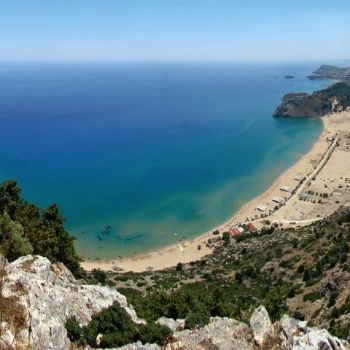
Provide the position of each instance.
(302, 272)
(330, 72)
(335, 98)
(39, 299)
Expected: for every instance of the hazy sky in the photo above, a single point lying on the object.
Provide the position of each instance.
(176, 30)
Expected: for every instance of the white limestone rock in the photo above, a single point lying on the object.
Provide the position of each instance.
(261, 325)
(7, 341)
(174, 325)
(220, 333)
(295, 335)
(50, 294)
(139, 346)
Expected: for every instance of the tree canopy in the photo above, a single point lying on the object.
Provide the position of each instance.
(26, 229)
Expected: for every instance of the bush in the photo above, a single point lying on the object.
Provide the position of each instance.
(117, 329)
(227, 238)
(197, 318)
(313, 296)
(73, 329)
(179, 267)
(332, 298)
(301, 268)
(153, 333)
(306, 275)
(98, 276)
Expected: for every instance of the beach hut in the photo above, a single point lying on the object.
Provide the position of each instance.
(278, 200)
(261, 207)
(285, 188)
(234, 231)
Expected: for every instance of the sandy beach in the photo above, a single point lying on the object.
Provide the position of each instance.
(326, 173)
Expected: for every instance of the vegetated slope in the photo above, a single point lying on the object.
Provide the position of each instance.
(304, 272)
(26, 229)
(335, 98)
(327, 71)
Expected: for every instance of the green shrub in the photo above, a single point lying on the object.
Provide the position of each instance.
(332, 298)
(153, 333)
(197, 318)
(117, 329)
(179, 267)
(73, 329)
(313, 296)
(26, 229)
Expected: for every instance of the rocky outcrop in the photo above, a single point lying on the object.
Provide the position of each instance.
(48, 294)
(261, 326)
(228, 334)
(335, 98)
(37, 297)
(295, 335)
(174, 325)
(220, 333)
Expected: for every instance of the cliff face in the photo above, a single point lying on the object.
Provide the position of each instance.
(335, 98)
(37, 298)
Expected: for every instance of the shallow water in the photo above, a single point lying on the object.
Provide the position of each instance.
(136, 153)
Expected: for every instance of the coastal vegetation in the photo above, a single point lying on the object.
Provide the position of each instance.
(304, 272)
(334, 98)
(327, 71)
(26, 229)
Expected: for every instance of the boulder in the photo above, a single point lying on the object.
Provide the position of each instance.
(220, 333)
(295, 335)
(174, 325)
(261, 326)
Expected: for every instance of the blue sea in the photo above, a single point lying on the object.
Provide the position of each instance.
(142, 155)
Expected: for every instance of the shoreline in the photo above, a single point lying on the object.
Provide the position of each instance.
(188, 250)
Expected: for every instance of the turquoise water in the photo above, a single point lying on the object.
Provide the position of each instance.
(133, 153)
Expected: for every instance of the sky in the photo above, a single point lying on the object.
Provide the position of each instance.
(112, 30)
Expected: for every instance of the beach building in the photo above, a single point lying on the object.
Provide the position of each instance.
(234, 231)
(261, 207)
(285, 188)
(278, 200)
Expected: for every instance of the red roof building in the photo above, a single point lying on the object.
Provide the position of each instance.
(251, 227)
(234, 231)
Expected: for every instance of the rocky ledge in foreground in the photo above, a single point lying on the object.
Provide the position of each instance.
(335, 98)
(37, 298)
(260, 334)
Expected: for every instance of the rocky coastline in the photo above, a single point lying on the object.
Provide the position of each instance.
(333, 99)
